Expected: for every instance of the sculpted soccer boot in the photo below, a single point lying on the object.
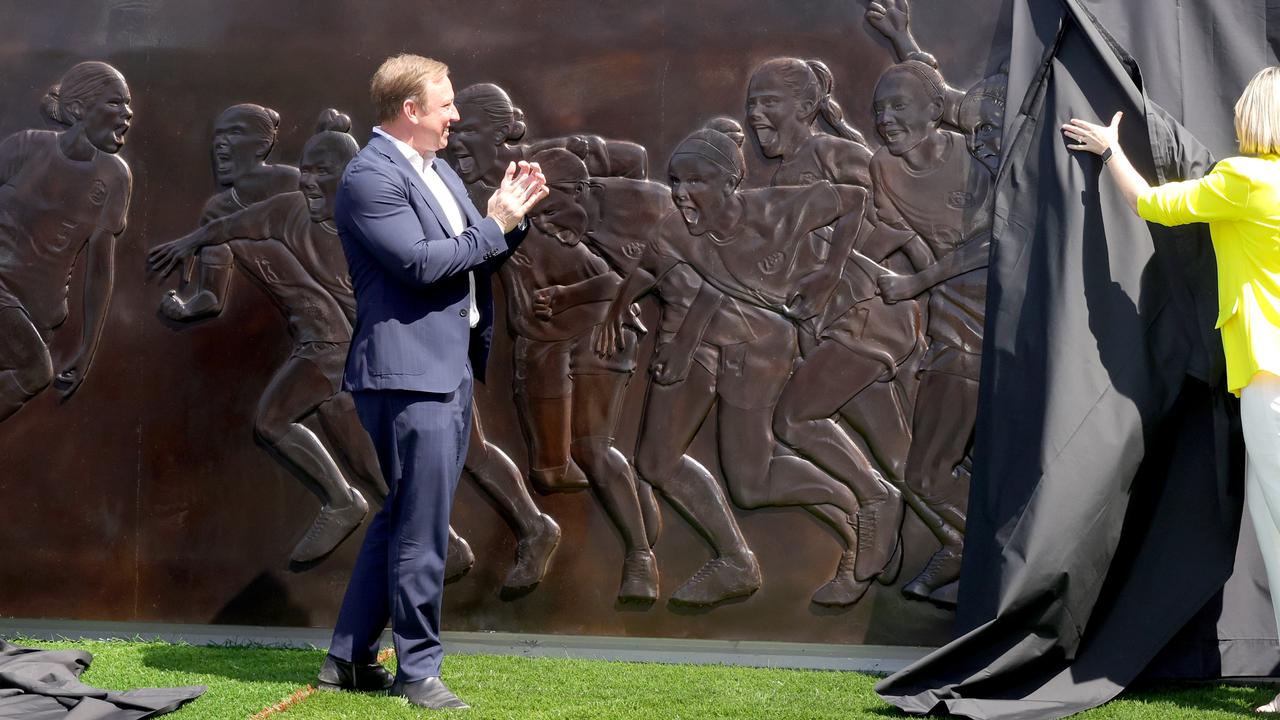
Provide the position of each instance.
(720, 579)
(533, 554)
(844, 588)
(942, 570)
(879, 528)
(458, 559)
(329, 529)
(639, 577)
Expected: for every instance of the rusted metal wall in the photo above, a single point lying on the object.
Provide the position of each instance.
(144, 495)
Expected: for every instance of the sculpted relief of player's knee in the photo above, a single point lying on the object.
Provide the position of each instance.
(63, 193)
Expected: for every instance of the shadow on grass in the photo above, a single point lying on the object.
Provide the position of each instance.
(889, 711)
(245, 664)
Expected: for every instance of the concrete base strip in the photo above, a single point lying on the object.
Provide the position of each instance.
(748, 653)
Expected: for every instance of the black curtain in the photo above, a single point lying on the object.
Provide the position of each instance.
(1107, 494)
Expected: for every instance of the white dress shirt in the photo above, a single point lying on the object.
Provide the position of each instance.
(454, 217)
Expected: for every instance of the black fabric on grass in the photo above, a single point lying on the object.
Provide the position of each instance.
(45, 685)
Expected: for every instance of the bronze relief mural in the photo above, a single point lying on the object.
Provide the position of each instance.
(771, 299)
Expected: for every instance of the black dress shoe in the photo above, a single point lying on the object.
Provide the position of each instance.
(429, 693)
(338, 674)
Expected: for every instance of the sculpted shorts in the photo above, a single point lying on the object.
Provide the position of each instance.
(9, 301)
(545, 369)
(706, 355)
(949, 360)
(751, 375)
(329, 357)
(877, 329)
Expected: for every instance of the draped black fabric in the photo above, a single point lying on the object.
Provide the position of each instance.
(1107, 494)
(45, 685)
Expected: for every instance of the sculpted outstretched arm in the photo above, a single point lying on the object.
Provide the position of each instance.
(639, 282)
(549, 301)
(672, 360)
(893, 19)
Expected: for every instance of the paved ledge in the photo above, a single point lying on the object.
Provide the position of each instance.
(861, 658)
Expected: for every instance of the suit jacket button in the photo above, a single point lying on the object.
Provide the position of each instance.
(462, 312)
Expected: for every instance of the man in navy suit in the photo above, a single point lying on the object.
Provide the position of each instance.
(420, 258)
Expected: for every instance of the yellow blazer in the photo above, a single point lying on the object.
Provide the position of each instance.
(1240, 199)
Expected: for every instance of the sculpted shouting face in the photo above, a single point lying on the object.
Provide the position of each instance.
(473, 143)
(323, 160)
(700, 189)
(106, 117)
(774, 114)
(239, 144)
(560, 216)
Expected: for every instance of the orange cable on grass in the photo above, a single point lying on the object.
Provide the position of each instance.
(284, 705)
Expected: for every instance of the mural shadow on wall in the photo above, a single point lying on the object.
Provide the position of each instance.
(265, 600)
(694, 610)
(633, 605)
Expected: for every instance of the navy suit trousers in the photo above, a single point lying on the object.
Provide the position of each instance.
(421, 440)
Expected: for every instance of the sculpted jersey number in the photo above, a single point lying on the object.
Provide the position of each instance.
(49, 207)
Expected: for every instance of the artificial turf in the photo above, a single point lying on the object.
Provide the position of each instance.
(244, 680)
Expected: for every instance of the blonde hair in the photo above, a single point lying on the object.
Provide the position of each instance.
(1258, 114)
(403, 77)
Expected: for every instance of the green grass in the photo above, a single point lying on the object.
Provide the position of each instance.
(242, 681)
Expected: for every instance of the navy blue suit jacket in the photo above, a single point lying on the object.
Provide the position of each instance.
(410, 275)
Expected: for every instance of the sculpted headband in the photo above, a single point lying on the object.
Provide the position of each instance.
(917, 68)
(719, 159)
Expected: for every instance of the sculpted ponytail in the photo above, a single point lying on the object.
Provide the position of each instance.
(51, 106)
(82, 83)
(827, 105)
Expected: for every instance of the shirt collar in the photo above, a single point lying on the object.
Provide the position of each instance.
(419, 161)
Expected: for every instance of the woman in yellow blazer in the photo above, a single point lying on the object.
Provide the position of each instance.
(1240, 199)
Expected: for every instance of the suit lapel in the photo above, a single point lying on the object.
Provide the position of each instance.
(398, 159)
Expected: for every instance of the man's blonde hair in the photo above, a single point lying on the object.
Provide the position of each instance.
(1258, 114)
(403, 77)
